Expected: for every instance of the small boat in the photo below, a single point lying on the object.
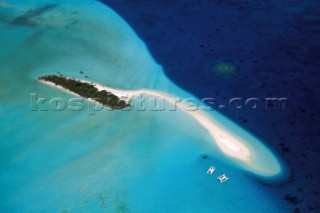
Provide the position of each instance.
(222, 178)
(211, 170)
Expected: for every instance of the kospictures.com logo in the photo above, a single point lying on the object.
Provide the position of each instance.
(141, 103)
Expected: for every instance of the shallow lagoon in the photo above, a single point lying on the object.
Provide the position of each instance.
(112, 161)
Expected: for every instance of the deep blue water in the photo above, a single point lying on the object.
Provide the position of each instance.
(276, 48)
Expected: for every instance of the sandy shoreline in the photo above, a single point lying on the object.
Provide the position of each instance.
(228, 143)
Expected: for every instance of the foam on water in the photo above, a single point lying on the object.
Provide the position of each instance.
(112, 161)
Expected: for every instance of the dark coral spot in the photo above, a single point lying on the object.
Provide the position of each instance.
(292, 199)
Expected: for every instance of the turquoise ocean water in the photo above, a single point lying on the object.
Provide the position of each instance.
(112, 161)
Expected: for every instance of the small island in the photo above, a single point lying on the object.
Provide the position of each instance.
(86, 90)
(235, 146)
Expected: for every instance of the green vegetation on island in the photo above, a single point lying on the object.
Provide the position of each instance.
(86, 90)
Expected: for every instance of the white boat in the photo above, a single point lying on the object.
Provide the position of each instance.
(223, 178)
(211, 170)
